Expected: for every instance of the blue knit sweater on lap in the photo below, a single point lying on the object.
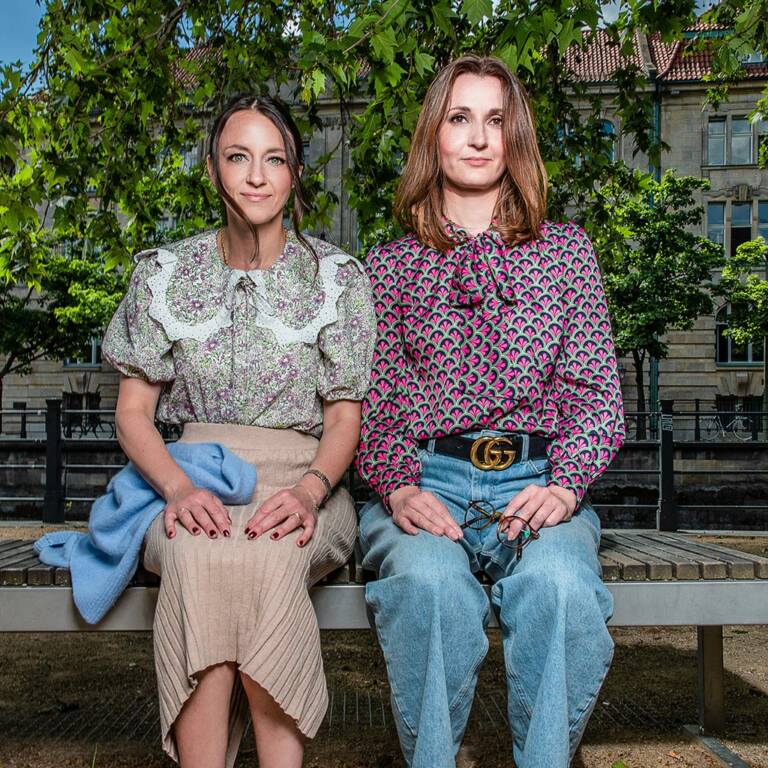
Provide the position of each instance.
(103, 561)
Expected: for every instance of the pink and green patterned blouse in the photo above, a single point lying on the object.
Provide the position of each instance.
(491, 336)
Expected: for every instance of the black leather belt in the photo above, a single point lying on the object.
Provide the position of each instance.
(490, 451)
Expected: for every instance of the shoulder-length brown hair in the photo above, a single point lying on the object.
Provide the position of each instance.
(522, 201)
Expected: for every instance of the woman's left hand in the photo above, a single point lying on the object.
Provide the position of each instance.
(285, 511)
(541, 506)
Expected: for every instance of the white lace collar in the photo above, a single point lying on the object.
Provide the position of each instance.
(264, 315)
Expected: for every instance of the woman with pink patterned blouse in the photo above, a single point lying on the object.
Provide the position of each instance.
(494, 403)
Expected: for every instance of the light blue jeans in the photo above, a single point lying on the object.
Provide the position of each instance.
(431, 614)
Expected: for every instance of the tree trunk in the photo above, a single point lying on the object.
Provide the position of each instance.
(638, 359)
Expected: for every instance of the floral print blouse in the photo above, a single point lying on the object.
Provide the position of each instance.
(263, 347)
(491, 336)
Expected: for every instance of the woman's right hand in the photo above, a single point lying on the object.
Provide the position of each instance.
(414, 510)
(197, 510)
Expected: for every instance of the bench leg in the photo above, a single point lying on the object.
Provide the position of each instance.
(711, 679)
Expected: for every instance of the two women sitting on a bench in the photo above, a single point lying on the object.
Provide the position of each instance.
(483, 364)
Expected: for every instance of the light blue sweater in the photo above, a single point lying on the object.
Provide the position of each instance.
(102, 562)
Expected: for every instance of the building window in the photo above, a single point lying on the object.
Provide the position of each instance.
(741, 225)
(716, 141)
(732, 223)
(89, 357)
(741, 141)
(190, 157)
(166, 223)
(762, 142)
(733, 140)
(754, 57)
(608, 131)
(727, 351)
(716, 223)
(762, 219)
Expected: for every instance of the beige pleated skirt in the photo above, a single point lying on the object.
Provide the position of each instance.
(246, 601)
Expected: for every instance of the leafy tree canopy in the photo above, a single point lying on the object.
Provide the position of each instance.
(656, 269)
(95, 139)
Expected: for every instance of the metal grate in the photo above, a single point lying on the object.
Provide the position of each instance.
(134, 717)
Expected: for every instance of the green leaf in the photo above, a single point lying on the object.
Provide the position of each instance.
(75, 60)
(423, 62)
(477, 10)
(441, 15)
(383, 44)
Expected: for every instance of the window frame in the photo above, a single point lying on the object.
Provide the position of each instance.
(756, 228)
(94, 363)
(721, 325)
(727, 135)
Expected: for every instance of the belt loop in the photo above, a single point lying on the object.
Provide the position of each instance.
(525, 446)
(431, 445)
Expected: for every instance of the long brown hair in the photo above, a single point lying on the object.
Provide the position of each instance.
(281, 117)
(522, 201)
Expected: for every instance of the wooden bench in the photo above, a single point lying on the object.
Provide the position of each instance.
(657, 579)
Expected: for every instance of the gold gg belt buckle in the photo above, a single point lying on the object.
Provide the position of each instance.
(486, 453)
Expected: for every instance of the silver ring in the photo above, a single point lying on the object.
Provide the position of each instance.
(184, 509)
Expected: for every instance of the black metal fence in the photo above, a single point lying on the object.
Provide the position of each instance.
(57, 446)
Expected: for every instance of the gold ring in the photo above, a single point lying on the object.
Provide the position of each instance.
(298, 517)
(184, 509)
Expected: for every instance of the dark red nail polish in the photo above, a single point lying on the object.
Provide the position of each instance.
(171, 535)
(226, 534)
(251, 535)
(300, 543)
(247, 531)
(195, 530)
(274, 535)
(213, 534)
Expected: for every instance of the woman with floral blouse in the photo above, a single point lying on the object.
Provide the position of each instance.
(494, 403)
(259, 339)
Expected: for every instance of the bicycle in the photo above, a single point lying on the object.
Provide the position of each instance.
(739, 426)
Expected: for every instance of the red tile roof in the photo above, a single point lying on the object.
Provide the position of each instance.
(600, 59)
(674, 61)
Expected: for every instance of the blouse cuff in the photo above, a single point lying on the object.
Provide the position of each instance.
(572, 480)
(392, 482)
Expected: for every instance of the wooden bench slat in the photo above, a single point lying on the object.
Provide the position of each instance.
(17, 557)
(656, 569)
(683, 568)
(15, 574)
(40, 575)
(624, 555)
(760, 563)
(630, 568)
(19, 546)
(8, 544)
(611, 570)
(738, 567)
(711, 567)
(62, 578)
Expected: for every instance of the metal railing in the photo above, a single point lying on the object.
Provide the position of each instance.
(58, 443)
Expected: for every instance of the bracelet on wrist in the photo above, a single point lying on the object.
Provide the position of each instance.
(324, 480)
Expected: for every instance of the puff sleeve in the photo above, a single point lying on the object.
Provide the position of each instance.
(135, 344)
(346, 345)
